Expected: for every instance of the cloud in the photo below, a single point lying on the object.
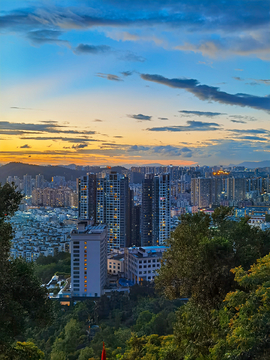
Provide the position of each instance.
(44, 36)
(255, 81)
(255, 44)
(201, 113)
(238, 69)
(109, 77)
(255, 138)
(91, 49)
(245, 118)
(130, 56)
(249, 131)
(166, 150)
(163, 118)
(127, 73)
(239, 121)
(140, 117)
(26, 146)
(20, 108)
(118, 136)
(79, 146)
(72, 140)
(47, 127)
(211, 93)
(98, 120)
(191, 126)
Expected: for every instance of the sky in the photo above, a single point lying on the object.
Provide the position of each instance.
(111, 82)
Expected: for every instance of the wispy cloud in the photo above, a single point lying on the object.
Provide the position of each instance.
(191, 126)
(211, 93)
(140, 117)
(109, 77)
(26, 146)
(201, 113)
(91, 49)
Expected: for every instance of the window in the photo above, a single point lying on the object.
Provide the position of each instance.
(85, 273)
(76, 259)
(76, 247)
(140, 272)
(85, 285)
(76, 251)
(76, 264)
(76, 281)
(140, 266)
(85, 243)
(110, 266)
(144, 266)
(85, 268)
(76, 276)
(85, 281)
(85, 290)
(76, 289)
(85, 255)
(76, 268)
(76, 272)
(85, 247)
(76, 242)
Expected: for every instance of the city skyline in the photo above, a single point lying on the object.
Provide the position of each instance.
(118, 82)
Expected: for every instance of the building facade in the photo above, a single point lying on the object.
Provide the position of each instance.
(88, 247)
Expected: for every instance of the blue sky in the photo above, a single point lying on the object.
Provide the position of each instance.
(105, 82)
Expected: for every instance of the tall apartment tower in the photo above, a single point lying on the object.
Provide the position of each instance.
(201, 192)
(27, 185)
(87, 197)
(116, 209)
(155, 210)
(236, 189)
(105, 200)
(147, 210)
(164, 183)
(39, 181)
(88, 246)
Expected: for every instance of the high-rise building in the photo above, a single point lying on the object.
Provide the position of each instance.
(236, 189)
(201, 192)
(147, 211)
(39, 181)
(164, 199)
(135, 237)
(27, 185)
(88, 247)
(106, 201)
(116, 209)
(155, 210)
(87, 197)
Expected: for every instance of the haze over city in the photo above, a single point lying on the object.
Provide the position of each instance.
(121, 82)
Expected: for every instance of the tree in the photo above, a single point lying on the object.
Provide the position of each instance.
(245, 317)
(22, 299)
(202, 251)
(197, 264)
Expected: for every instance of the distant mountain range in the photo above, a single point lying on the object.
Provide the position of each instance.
(254, 164)
(21, 169)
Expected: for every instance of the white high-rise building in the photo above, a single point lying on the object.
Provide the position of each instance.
(88, 247)
(27, 185)
(164, 207)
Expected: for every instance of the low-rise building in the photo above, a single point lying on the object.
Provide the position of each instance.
(142, 263)
(115, 264)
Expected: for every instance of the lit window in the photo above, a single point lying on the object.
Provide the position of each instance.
(85, 281)
(85, 268)
(85, 290)
(85, 285)
(85, 277)
(85, 242)
(85, 247)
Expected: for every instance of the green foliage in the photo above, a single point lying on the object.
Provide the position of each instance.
(151, 347)
(46, 267)
(22, 299)
(26, 351)
(245, 316)
(201, 252)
